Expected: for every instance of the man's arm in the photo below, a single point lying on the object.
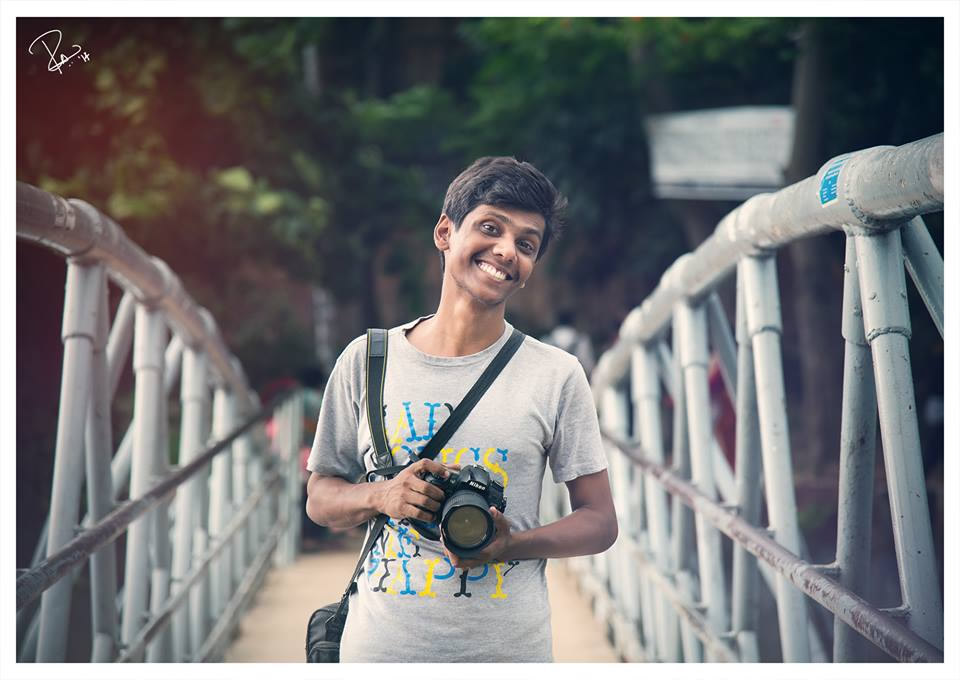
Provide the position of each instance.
(590, 528)
(339, 504)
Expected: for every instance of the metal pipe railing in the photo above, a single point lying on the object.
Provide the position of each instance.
(898, 641)
(78, 230)
(858, 436)
(154, 303)
(162, 618)
(912, 176)
(876, 196)
(210, 650)
(34, 582)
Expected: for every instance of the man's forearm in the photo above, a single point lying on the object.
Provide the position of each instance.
(336, 503)
(585, 531)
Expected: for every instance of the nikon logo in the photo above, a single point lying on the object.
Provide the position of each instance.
(477, 485)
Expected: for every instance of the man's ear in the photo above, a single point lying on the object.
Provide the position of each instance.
(441, 232)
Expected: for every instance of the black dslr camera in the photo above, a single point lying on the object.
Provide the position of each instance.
(465, 520)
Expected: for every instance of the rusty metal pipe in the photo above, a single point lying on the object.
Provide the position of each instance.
(32, 583)
(893, 638)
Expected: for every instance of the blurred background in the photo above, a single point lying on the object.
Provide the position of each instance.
(290, 171)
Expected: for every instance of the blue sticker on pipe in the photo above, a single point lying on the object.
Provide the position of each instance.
(828, 185)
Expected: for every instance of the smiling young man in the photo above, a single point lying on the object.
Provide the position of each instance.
(416, 601)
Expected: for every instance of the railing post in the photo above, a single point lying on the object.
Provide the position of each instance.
(120, 465)
(161, 648)
(645, 382)
(613, 417)
(117, 350)
(623, 573)
(723, 343)
(200, 592)
(120, 341)
(858, 434)
(925, 266)
(99, 445)
(887, 327)
(745, 574)
(241, 489)
(188, 504)
(220, 499)
(762, 297)
(149, 341)
(259, 518)
(289, 421)
(683, 542)
(692, 331)
(83, 292)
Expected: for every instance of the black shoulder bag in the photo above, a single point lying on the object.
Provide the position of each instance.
(325, 627)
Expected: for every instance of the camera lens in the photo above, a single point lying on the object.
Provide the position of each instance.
(468, 526)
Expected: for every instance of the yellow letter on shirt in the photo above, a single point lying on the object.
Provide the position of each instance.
(431, 566)
(498, 594)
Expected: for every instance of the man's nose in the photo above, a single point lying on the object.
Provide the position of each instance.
(505, 248)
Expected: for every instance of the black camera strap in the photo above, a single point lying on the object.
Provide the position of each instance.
(376, 375)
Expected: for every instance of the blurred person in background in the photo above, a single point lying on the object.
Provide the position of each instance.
(569, 339)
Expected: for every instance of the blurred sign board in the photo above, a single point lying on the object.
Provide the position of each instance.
(726, 154)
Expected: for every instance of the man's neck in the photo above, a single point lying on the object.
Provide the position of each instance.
(460, 327)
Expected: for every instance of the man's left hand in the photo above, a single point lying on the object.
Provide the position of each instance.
(502, 540)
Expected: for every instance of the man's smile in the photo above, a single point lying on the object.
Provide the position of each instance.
(493, 271)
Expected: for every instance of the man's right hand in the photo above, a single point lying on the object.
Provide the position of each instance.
(408, 495)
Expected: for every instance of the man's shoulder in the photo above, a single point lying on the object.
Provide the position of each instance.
(550, 355)
(354, 355)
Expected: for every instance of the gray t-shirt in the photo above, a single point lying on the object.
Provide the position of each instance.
(411, 604)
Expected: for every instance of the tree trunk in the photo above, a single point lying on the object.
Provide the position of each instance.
(816, 280)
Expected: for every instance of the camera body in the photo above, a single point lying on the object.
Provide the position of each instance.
(465, 522)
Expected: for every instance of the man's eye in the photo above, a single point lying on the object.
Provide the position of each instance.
(527, 246)
(489, 228)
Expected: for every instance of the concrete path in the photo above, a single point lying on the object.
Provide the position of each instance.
(274, 627)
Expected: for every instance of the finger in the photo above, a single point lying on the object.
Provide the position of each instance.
(413, 511)
(433, 467)
(499, 520)
(431, 491)
(423, 501)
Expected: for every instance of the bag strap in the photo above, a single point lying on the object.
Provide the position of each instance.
(376, 371)
(470, 400)
(367, 547)
(376, 374)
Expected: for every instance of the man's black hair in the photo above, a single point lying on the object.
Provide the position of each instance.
(505, 181)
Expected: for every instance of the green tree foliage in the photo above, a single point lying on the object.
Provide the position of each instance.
(202, 137)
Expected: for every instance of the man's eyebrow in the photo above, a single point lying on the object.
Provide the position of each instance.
(525, 230)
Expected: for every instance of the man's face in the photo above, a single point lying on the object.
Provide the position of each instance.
(493, 253)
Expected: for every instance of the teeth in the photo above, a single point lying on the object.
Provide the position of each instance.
(493, 271)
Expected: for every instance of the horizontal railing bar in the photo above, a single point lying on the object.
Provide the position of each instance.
(158, 621)
(896, 640)
(74, 228)
(877, 188)
(31, 584)
(242, 595)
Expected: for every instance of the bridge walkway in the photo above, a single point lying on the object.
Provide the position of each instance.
(273, 628)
